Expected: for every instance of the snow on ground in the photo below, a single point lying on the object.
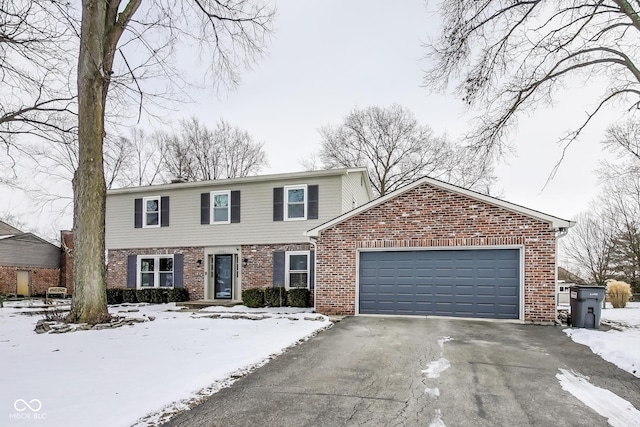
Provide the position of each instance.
(617, 411)
(621, 344)
(133, 374)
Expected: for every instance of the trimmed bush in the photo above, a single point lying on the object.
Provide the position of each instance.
(275, 297)
(299, 297)
(152, 295)
(618, 293)
(130, 296)
(253, 298)
(114, 296)
(177, 295)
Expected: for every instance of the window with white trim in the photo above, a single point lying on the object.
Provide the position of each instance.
(220, 207)
(155, 271)
(297, 270)
(151, 211)
(295, 202)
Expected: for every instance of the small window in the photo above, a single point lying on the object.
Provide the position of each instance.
(295, 203)
(297, 270)
(220, 207)
(155, 271)
(151, 207)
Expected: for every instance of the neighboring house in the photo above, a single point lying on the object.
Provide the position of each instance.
(432, 248)
(216, 238)
(28, 264)
(567, 276)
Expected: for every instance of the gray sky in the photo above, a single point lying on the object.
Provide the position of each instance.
(330, 56)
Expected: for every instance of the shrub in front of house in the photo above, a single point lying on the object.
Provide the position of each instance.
(129, 296)
(275, 297)
(115, 296)
(152, 295)
(618, 293)
(177, 295)
(299, 297)
(253, 298)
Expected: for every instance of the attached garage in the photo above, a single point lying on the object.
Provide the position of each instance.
(435, 249)
(482, 283)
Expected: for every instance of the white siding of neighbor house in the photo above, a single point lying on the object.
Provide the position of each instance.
(256, 215)
(354, 189)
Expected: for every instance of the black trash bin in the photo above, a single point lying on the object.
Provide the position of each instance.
(586, 303)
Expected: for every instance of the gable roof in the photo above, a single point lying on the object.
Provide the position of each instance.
(6, 229)
(247, 179)
(25, 237)
(554, 222)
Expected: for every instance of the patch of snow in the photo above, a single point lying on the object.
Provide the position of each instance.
(620, 346)
(436, 367)
(617, 411)
(443, 340)
(437, 421)
(117, 377)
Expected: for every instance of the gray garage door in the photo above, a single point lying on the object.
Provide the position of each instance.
(465, 283)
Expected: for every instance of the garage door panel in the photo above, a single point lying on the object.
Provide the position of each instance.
(467, 283)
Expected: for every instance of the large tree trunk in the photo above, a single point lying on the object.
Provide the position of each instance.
(89, 300)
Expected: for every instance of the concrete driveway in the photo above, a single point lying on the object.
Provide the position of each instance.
(383, 371)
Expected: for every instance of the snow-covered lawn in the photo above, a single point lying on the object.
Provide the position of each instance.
(132, 374)
(621, 344)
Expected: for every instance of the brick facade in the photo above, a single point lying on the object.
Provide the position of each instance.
(40, 279)
(427, 216)
(193, 275)
(259, 270)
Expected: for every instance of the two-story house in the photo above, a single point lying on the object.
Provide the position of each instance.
(216, 238)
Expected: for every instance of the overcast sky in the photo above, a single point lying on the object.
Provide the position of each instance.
(330, 56)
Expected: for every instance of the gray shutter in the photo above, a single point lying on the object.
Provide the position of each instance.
(312, 203)
(278, 269)
(278, 206)
(178, 270)
(137, 210)
(312, 270)
(235, 206)
(132, 270)
(205, 202)
(164, 211)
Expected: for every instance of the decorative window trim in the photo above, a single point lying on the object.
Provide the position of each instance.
(288, 271)
(212, 207)
(144, 211)
(285, 202)
(156, 271)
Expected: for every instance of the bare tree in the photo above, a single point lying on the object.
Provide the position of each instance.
(507, 57)
(197, 153)
(36, 39)
(396, 150)
(231, 34)
(143, 163)
(589, 246)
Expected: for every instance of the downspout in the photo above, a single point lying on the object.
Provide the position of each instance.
(313, 241)
(562, 231)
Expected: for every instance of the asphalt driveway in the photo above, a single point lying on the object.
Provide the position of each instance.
(383, 371)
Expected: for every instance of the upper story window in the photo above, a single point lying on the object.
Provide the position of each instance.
(220, 207)
(151, 212)
(295, 206)
(295, 202)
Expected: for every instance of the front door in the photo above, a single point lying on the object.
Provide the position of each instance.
(223, 277)
(23, 283)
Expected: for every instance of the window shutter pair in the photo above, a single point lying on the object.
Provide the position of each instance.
(178, 268)
(205, 207)
(312, 203)
(138, 212)
(279, 269)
